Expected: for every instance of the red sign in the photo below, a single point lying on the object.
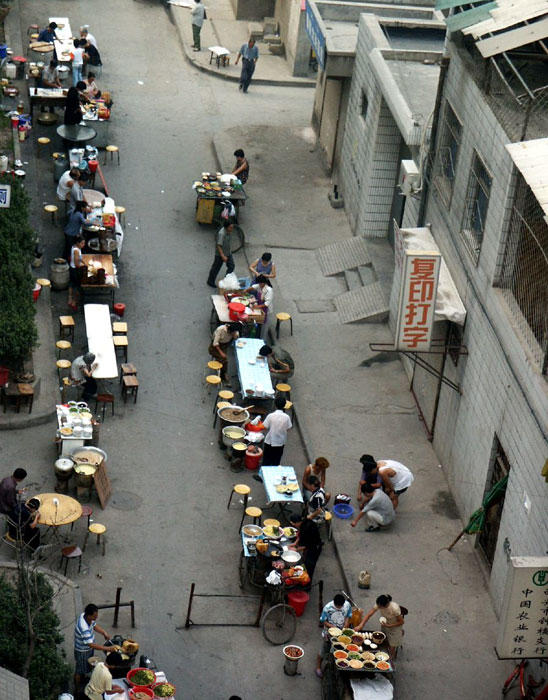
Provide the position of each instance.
(417, 306)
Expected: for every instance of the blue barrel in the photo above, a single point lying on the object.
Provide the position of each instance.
(3, 51)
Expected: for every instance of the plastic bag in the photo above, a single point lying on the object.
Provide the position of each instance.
(230, 283)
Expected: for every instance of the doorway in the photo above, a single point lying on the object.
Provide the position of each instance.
(487, 539)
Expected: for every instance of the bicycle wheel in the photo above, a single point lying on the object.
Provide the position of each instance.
(279, 624)
(239, 238)
(242, 570)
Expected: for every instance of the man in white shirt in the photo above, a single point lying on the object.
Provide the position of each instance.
(277, 423)
(66, 181)
(396, 478)
(198, 15)
(88, 36)
(100, 683)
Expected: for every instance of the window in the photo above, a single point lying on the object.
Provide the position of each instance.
(487, 539)
(448, 151)
(524, 274)
(477, 203)
(363, 104)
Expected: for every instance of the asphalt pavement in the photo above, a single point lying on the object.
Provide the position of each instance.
(167, 522)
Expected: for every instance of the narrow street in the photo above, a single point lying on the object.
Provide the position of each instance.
(167, 522)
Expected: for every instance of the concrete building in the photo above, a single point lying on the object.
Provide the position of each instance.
(475, 125)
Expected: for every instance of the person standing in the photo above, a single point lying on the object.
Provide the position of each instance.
(198, 15)
(263, 266)
(223, 336)
(100, 683)
(8, 492)
(308, 542)
(396, 478)
(48, 34)
(77, 61)
(241, 169)
(277, 423)
(263, 293)
(337, 613)
(66, 182)
(73, 113)
(377, 508)
(391, 622)
(249, 54)
(73, 229)
(84, 642)
(223, 253)
(75, 264)
(88, 36)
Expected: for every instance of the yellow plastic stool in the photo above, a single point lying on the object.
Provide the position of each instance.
(62, 365)
(280, 318)
(51, 209)
(283, 388)
(226, 395)
(214, 366)
(252, 512)
(218, 405)
(271, 521)
(99, 530)
(62, 345)
(241, 490)
(43, 282)
(112, 150)
(120, 211)
(212, 380)
(119, 327)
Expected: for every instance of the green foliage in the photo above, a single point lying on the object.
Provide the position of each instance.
(48, 671)
(18, 333)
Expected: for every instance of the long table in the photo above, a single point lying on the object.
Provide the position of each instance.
(64, 41)
(111, 282)
(50, 97)
(253, 372)
(100, 343)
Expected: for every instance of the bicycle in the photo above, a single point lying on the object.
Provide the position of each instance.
(279, 622)
(525, 692)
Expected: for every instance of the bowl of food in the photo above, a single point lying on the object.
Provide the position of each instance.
(141, 677)
(163, 690)
(334, 632)
(382, 656)
(368, 656)
(339, 654)
(273, 532)
(291, 532)
(355, 664)
(357, 639)
(252, 530)
(141, 692)
(337, 646)
(341, 663)
(344, 639)
(354, 655)
(352, 647)
(383, 665)
(293, 652)
(291, 557)
(349, 632)
(369, 665)
(378, 637)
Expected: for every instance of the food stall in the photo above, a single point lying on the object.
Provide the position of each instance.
(98, 276)
(105, 235)
(74, 426)
(211, 190)
(281, 488)
(220, 312)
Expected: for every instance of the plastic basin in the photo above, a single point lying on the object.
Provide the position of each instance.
(343, 511)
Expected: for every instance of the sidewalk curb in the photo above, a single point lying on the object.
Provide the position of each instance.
(212, 70)
(305, 439)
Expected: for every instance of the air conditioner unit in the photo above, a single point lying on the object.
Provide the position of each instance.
(409, 177)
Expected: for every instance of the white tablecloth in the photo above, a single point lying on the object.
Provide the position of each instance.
(64, 41)
(64, 32)
(270, 475)
(46, 92)
(99, 334)
(252, 374)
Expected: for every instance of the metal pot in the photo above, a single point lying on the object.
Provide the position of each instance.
(83, 475)
(227, 440)
(79, 450)
(64, 468)
(291, 557)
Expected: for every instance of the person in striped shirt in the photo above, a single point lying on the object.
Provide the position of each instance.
(84, 642)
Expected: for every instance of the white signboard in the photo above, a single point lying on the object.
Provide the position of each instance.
(419, 285)
(523, 625)
(5, 196)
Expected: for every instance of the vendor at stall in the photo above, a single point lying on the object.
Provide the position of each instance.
(100, 683)
(73, 111)
(277, 424)
(308, 542)
(263, 293)
(73, 228)
(48, 34)
(337, 613)
(91, 90)
(241, 169)
(50, 75)
(391, 621)
(81, 372)
(84, 642)
(315, 508)
(263, 266)
(223, 336)
(280, 362)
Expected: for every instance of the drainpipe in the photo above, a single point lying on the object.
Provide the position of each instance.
(444, 66)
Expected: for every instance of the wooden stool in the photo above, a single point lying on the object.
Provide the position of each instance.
(62, 345)
(127, 370)
(280, 318)
(242, 490)
(130, 385)
(220, 404)
(112, 150)
(33, 29)
(104, 399)
(51, 209)
(26, 393)
(271, 521)
(62, 365)
(120, 211)
(214, 366)
(251, 512)
(119, 327)
(99, 530)
(42, 142)
(68, 553)
(212, 380)
(283, 388)
(43, 282)
(66, 323)
(69, 383)
(87, 512)
(121, 342)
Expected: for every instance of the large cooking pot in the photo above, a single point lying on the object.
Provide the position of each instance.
(83, 475)
(81, 451)
(232, 434)
(230, 416)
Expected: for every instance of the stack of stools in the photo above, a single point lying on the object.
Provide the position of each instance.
(129, 381)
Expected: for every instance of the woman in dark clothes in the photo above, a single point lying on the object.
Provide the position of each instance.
(73, 113)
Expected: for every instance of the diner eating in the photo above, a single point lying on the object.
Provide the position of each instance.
(81, 371)
(280, 362)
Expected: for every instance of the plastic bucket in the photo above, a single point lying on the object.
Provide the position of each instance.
(3, 50)
(36, 292)
(298, 601)
(93, 164)
(22, 133)
(235, 310)
(253, 459)
(4, 375)
(14, 120)
(119, 309)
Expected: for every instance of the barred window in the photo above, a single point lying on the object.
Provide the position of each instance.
(448, 151)
(524, 274)
(477, 203)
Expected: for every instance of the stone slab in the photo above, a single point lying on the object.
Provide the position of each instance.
(362, 304)
(347, 254)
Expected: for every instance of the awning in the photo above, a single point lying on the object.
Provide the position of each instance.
(530, 158)
(449, 306)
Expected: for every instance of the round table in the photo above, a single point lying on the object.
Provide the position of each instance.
(65, 513)
(76, 133)
(92, 196)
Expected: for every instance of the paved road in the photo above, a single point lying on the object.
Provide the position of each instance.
(167, 522)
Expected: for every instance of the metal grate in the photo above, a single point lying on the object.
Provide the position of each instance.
(477, 203)
(448, 151)
(524, 277)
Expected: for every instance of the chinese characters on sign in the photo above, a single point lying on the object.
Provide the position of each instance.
(523, 627)
(315, 35)
(5, 196)
(419, 285)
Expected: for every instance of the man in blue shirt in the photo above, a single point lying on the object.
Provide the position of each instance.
(84, 642)
(250, 55)
(48, 34)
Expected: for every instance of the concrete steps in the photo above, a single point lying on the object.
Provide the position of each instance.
(347, 254)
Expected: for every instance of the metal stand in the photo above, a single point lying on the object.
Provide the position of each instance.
(190, 623)
(117, 605)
